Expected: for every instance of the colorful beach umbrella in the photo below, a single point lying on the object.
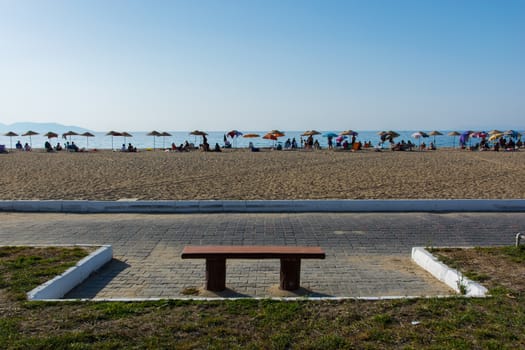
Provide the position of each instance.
(330, 134)
(250, 135)
(419, 135)
(349, 133)
(311, 133)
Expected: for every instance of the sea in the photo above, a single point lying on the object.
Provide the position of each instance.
(141, 140)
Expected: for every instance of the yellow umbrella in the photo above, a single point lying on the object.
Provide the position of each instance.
(495, 136)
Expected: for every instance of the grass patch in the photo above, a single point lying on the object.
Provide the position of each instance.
(434, 323)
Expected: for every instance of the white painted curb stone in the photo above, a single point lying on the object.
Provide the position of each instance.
(62, 284)
(450, 277)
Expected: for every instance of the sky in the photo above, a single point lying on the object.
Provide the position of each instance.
(263, 64)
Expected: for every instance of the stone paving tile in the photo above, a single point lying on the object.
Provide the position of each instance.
(368, 255)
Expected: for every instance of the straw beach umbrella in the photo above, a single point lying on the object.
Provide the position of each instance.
(454, 134)
(51, 134)
(69, 133)
(87, 135)
(164, 134)
(154, 133)
(435, 133)
(125, 134)
(113, 133)
(30, 133)
(10, 134)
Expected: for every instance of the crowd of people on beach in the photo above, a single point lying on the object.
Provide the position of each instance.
(334, 142)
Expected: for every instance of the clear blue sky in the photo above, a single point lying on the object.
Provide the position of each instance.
(260, 65)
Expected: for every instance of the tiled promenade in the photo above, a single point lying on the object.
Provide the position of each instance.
(368, 255)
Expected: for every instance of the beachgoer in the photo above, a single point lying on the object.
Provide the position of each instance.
(19, 145)
(294, 143)
(217, 148)
(27, 148)
(48, 147)
(330, 142)
(123, 148)
(58, 147)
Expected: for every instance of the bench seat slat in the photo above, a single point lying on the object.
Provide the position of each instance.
(252, 252)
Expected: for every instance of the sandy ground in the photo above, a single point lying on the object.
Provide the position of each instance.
(239, 174)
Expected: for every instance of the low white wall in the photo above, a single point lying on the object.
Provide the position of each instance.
(61, 285)
(442, 272)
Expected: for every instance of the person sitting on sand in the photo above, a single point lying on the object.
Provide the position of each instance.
(252, 148)
(27, 148)
(19, 145)
(58, 147)
(217, 148)
(74, 147)
(423, 146)
(432, 147)
(48, 147)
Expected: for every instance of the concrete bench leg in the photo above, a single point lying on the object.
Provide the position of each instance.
(290, 274)
(216, 274)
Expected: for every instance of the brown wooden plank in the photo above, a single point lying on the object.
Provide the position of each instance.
(252, 252)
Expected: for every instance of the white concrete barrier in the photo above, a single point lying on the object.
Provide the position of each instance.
(452, 278)
(62, 284)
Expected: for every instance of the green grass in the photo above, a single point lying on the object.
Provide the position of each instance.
(435, 323)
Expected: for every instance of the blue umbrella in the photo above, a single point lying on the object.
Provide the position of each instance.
(330, 134)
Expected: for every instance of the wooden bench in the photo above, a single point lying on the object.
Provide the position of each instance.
(216, 256)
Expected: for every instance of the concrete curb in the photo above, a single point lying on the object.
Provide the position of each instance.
(61, 285)
(453, 278)
(264, 206)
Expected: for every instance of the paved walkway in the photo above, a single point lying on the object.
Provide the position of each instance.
(368, 255)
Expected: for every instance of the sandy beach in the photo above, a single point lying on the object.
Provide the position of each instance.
(240, 174)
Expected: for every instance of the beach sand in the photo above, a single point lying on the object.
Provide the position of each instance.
(240, 174)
